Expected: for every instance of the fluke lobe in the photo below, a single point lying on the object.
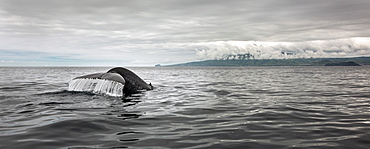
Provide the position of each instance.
(133, 82)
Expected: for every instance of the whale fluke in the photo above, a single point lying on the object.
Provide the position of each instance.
(116, 82)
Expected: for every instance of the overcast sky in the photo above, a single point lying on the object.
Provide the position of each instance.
(145, 33)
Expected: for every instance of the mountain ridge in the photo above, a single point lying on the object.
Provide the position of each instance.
(277, 62)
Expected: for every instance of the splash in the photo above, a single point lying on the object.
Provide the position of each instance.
(97, 86)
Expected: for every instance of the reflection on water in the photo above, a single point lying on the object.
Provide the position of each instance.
(217, 107)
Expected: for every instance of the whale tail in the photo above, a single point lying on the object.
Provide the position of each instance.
(116, 82)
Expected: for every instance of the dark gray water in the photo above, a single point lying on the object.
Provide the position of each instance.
(211, 107)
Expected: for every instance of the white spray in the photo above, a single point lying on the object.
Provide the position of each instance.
(97, 86)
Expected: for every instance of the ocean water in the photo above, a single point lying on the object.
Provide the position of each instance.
(190, 107)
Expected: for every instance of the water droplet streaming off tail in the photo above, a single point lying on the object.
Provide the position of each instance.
(97, 86)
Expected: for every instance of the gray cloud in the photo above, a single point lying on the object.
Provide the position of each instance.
(165, 31)
(280, 50)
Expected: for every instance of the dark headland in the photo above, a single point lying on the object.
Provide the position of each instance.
(343, 64)
(355, 61)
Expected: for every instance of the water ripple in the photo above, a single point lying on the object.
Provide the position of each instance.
(232, 107)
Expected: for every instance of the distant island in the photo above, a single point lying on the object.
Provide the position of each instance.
(356, 61)
(343, 64)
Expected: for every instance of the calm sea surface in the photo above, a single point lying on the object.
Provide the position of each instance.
(201, 107)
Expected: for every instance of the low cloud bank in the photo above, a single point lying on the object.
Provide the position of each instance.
(350, 47)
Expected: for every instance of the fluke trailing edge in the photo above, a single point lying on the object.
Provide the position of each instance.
(116, 82)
